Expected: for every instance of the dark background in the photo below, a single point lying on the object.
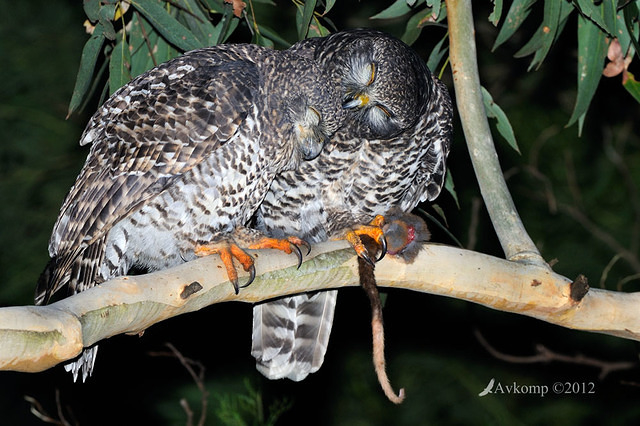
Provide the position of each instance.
(432, 348)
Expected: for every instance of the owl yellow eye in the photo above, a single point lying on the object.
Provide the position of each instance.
(372, 77)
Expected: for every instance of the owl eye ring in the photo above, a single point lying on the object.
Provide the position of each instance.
(372, 77)
(385, 110)
(316, 112)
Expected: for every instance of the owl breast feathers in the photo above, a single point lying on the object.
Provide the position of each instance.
(389, 155)
(180, 159)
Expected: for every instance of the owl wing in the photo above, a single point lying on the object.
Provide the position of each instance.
(150, 132)
(439, 132)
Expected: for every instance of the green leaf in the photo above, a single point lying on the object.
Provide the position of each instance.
(632, 86)
(556, 14)
(261, 40)
(631, 14)
(119, 64)
(199, 24)
(164, 51)
(91, 9)
(305, 20)
(603, 15)
(450, 187)
(415, 25)
(518, 12)
(592, 50)
(398, 8)
(437, 53)
(272, 35)
(316, 29)
(494, 18)
(88, 60)
(502, 123)
(436, 8)
(142, 44)
(555, 18)
(328, 6)
(172, 30)
(105, 18)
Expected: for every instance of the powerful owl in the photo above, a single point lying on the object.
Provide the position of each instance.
(180, 159)
(390, 154)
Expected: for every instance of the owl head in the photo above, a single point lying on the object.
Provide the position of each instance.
(310, 105)
(384, 83)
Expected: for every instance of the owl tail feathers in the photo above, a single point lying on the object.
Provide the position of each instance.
(49, 282)
(290, 335)
(84, 363)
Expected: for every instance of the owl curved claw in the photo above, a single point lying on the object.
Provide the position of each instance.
(372, 230)
(383, 247)
(306, 245)
(298, 254)
(288, 245)
(365, 255)
(227, 252)
(252, 276)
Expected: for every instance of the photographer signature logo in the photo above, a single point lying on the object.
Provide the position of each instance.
(558, 388)
(487, 390)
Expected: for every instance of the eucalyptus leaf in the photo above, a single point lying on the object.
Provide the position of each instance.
(632, 86)
(414, 26)
(261, 40)
(88, 60)
(272, 35)
(328, 6)
(496, 14)
(517, 14)
(398, 8)
(305, 20)
(631, 15)
(142, 39)
(106, 17)
(119, 64)
(603, 14)
(555, 18)
(174, 32)
(592, 50)
(436, 8)
(199, 24)
(502, 122)
(91, 9)
(316, 29)
(438, 52)
(450, 187)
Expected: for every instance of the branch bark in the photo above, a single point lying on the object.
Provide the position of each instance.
(35, 338)
(514, 239)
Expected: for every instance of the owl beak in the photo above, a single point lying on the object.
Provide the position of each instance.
(311, 148)
(358, 101)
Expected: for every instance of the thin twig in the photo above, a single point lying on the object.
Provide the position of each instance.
(545, 355)
(146, 40)
(601, 235)
(198, 378)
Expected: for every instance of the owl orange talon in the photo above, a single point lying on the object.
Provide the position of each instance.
(357, 245)
(374, 231)
(288, 245)
(227, 252)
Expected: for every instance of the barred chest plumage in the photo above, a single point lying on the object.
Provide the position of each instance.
(201, 206)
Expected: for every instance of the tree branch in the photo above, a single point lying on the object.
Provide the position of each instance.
(515, 241)
(35, 338)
